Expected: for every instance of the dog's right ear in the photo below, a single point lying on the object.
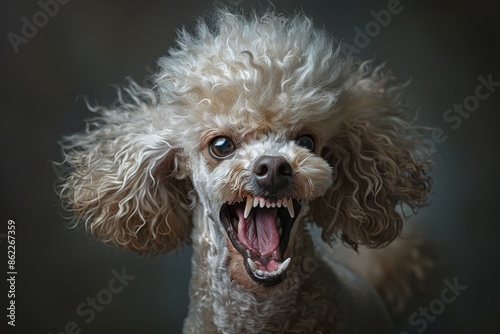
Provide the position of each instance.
(128, 183)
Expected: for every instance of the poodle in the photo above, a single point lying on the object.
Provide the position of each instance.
(259, 129)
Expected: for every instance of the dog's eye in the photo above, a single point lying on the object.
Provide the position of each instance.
(306, 142)
(221, 147)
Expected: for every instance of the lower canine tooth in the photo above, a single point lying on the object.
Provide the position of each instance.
(284, 265)
(252, 264)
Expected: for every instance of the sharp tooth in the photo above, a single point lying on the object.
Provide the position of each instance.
(255, 202)
(278, 204)
(252, 264)
(284, 265)
(248, 206)
(268, 205)
(279, 271)
(262, 202)
(285, 202)
(290, 208)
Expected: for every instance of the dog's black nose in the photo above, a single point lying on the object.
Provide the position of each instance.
(272, 173)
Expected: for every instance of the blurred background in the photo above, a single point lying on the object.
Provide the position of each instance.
(82, 48)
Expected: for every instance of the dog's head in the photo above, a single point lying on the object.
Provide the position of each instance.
(254, 177)
(263, 123)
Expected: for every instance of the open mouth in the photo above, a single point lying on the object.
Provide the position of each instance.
(259, 228)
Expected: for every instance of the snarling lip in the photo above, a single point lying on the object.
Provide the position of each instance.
(259, 228)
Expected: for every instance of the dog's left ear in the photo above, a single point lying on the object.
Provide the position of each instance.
(381, 164)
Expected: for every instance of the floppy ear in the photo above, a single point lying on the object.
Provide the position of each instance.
(128, 184)
(380, 163)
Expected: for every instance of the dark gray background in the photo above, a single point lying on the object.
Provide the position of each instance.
(443, 46)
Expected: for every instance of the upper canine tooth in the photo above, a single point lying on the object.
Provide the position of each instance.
(248, 206)
(290, 208)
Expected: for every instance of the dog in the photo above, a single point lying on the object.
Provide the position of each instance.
(258, 128)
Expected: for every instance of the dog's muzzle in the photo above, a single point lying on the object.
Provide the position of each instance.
(259, 227)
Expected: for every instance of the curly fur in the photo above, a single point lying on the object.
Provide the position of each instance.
(121, 166)
(142, 176)
(390, 167)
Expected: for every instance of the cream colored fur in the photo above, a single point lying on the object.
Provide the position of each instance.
(143, 176)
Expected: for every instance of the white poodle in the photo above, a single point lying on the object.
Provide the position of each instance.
(256, 127)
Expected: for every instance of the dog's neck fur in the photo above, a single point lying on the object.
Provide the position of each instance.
(220, 305)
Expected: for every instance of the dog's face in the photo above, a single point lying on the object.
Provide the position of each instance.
(255, 183)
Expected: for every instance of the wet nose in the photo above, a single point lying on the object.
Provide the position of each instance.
(272, 173)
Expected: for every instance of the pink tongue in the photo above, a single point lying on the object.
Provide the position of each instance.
(259, 232)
